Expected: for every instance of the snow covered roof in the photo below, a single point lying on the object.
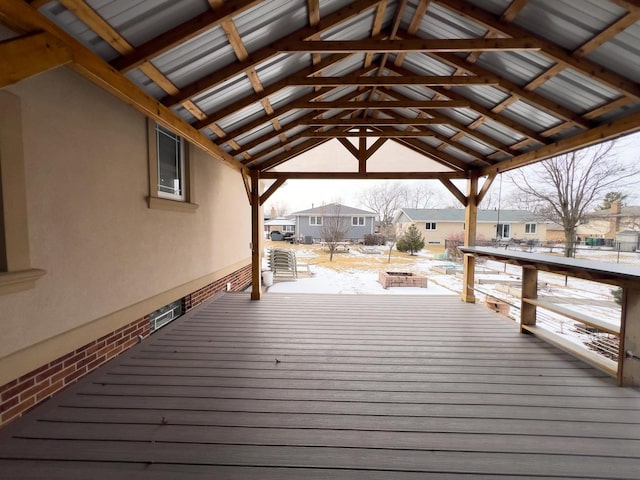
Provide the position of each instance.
(280, 221)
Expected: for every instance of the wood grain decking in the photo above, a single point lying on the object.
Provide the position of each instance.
(334, 387)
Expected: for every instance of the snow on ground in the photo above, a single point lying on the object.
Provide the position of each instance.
(325, 280)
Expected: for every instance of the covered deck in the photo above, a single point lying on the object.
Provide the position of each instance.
(353, 387)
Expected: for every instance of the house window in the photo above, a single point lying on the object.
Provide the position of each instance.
(315, 221)
(170, 156)
(357, 221)
(530, 228)
(430, 225)
(170, 185)
(288, 228)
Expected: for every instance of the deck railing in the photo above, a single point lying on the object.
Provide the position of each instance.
(614, 347)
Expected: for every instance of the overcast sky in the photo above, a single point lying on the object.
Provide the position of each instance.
(303, 194)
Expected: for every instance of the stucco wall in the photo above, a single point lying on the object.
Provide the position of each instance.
(90, 228)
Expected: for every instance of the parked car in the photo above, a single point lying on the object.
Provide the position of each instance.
(276, 235)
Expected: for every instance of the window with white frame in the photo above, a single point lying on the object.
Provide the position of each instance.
(357, 221)
(315, 221)
(170, 172)
(171, 164)
(430, 225)
(288, 228)
(529, 228)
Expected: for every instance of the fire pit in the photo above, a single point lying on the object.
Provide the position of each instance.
(401, 279)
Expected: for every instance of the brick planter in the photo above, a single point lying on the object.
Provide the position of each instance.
(401, 279)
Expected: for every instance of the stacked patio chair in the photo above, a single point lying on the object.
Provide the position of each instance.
(282, 262)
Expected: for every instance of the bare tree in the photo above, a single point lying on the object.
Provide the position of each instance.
(391, 237)
(570, 184)
(279, 208)
(417, 196)
(334, 227)
(385, 199)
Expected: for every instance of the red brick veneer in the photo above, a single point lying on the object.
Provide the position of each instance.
(21, 394)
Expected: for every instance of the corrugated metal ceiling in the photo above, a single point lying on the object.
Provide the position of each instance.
(580, 60)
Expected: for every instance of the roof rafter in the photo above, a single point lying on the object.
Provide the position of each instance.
(480, 110)
(411, 45)
(270, 90)
(181, 33)
(361, 175)
(259, 56)
(559, 55)
(99, 72)
(29, 55)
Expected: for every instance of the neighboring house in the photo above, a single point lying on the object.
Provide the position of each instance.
(616, 219)
(314, 221)
(280, 224)
(437, 225)
(603, 224)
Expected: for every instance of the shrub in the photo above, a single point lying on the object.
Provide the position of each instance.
(374, 239)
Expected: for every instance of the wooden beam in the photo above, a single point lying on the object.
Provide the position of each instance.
(375, 147)
(381, 104)
(246, 180)
(482, 138)
(270, 90)
(356, 122)
(591, 70)
(256, 237)
(416, 20)
(450, 141)
(99, 72)
(271, 190)
(264, 54)
(351, 148)
(629, 365)
(181, 33)
(443, 158)
(609, 131)
(425, 80)
(549, 106)
(454, 191)
(362, 154)
(24, 57)
(470, 232)
(485, 188)
(607, 34)
(266, 138)
(363, 176)
(512, 11)
(384, 134)
(412, 45)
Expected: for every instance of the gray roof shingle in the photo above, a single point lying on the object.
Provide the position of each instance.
(457, 215)
(334, 208)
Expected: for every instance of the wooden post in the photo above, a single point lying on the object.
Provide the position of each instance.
(629, 366)
(256, 237)
(529, 290)
(470, 224)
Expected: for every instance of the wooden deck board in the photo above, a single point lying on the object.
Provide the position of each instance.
(375, 387)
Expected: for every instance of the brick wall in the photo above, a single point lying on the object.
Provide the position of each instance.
(240, 279)
(22, 394)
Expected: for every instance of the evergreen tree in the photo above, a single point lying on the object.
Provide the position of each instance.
(411, 241)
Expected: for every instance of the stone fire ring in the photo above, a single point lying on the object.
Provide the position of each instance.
(401, 279)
